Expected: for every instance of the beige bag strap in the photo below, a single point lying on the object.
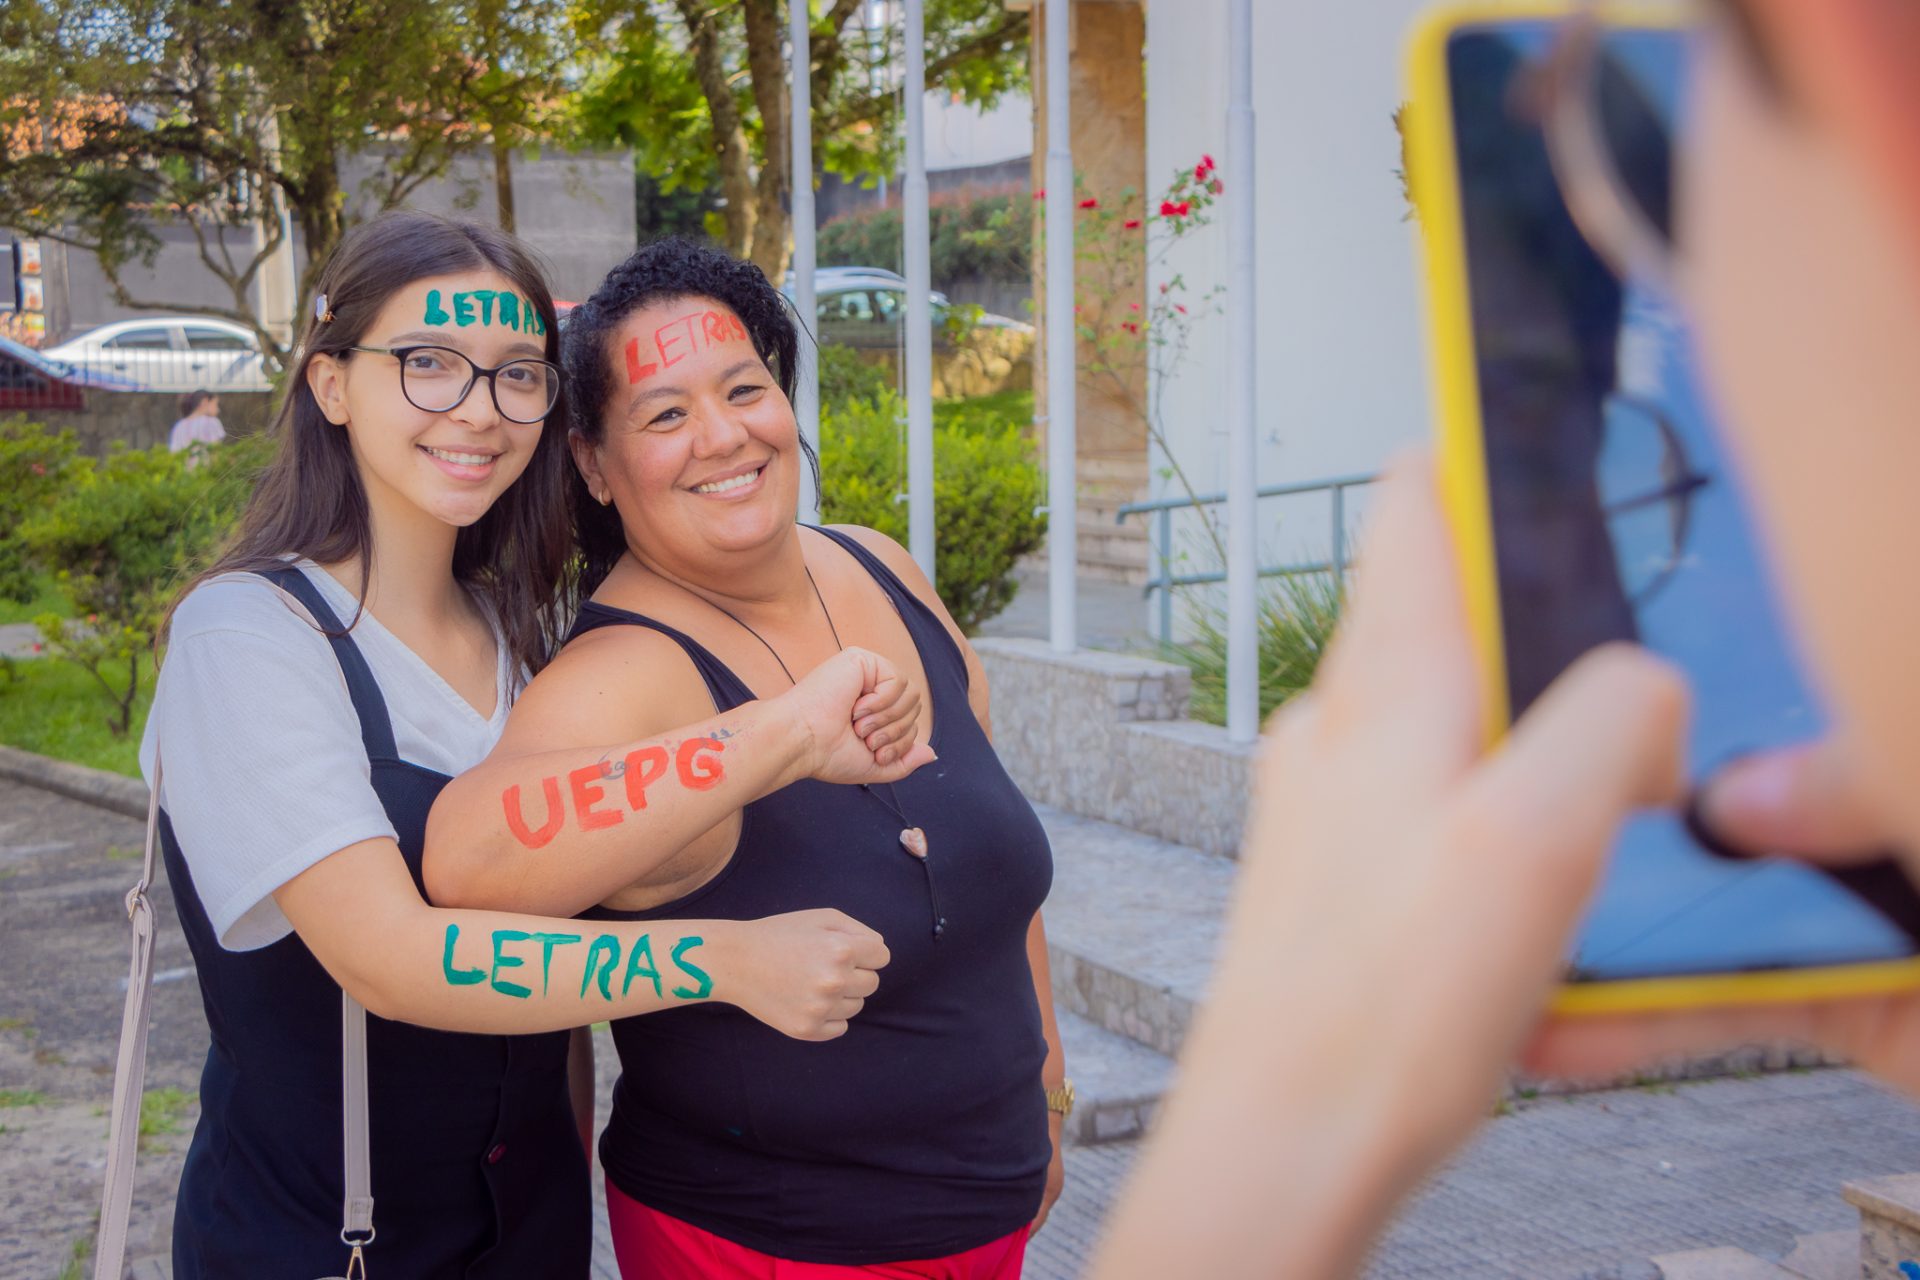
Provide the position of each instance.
(130, 1078)
(130, 1073)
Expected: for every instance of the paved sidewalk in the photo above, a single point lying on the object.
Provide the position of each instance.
(1589, 1186)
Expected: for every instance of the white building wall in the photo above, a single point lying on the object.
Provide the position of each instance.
(1341, 380)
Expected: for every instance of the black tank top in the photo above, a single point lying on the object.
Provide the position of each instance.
(923, 1130)
(477, 1168)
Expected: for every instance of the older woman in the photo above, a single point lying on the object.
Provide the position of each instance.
(923, 1134)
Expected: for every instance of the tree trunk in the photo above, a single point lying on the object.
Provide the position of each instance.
(729, 138)
(503, 183)
(767, 69)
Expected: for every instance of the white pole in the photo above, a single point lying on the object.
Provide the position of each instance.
(919, 334)
(806, 400)
(1062, 338)
(1243, 656)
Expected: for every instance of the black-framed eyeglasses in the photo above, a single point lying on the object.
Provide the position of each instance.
(1598, 137)
(435, 379)
(1647, 488)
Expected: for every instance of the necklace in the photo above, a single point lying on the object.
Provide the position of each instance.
(912, 839)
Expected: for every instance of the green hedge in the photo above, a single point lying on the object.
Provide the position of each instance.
(973, 238)
(986, 489)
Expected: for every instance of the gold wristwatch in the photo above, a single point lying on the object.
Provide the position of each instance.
(1061, 1100)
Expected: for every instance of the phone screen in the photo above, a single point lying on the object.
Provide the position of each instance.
(1617, 514)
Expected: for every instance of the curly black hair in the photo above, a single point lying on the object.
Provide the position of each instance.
(664, 271)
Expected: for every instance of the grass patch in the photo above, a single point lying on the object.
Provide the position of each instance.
(26, 1029)
(160, 1112)
(1002, 406)
(1296, 622)
(48, 598)
(55, 708)
(21, 1097)
(76, 1268)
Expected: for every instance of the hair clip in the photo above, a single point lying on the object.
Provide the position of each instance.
(321, 311)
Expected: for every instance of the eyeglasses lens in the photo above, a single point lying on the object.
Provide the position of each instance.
(438, 378)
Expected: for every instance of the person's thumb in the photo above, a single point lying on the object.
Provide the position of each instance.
(1803, 801)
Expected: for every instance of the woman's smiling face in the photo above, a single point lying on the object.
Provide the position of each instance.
(700, 445)
(454, 464)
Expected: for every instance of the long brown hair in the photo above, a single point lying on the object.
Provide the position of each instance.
(309, 500)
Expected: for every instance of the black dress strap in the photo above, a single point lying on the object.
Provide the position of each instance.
(376, 727)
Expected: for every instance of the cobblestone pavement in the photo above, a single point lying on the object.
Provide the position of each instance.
(1589, 1186)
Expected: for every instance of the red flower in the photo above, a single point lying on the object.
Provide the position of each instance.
(1130, 327)
(1215, 186)
(92, 618)
(1177, 307)
(36, 646)
(1090, 202)
(1163, 288)
(1182, 209)
(38, 468)
(1131, 223)
(1200, 173)
(1133, 306)
(1168, 209)
(1041, 194)
(1206, 161)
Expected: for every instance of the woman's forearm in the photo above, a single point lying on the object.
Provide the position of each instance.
(558, 831)
(510, 974)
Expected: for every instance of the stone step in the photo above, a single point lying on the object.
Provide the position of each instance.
(1117, 1083)
(1825, 1255)
(1721, 1263)
(1132, 925)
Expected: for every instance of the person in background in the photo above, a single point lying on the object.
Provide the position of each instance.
(199, 422)
(1406, 897)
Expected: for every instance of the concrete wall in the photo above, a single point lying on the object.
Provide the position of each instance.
(1104, 735)
(141, 419)
(1341, 378)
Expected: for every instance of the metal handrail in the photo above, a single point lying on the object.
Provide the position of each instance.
(1163, 509)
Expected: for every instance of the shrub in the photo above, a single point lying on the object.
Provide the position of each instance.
(1297, 619)
(119, 537)
(986, 489)
(845, 377)
(34, 467)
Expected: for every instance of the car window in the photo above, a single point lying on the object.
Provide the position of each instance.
(852, 305)
(141, 340)
(206, 338)
(890, 303)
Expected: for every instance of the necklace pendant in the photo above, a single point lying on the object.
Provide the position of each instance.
(914, 841)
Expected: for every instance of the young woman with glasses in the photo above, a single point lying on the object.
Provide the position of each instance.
(1358, 1024)
(395, 579)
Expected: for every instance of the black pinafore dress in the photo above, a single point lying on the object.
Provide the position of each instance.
(476, 1163)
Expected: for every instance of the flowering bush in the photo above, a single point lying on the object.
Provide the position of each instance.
(1121, 332)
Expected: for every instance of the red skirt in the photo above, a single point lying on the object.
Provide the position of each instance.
(650, 1245)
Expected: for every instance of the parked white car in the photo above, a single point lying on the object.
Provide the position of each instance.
(171, 353)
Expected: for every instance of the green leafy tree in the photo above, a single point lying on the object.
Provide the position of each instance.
(119, 536)
(234, 120)
(698, 89)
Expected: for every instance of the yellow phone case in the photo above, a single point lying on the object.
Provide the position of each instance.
(1432, 177)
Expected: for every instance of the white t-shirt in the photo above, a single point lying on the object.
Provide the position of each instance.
(266, 772)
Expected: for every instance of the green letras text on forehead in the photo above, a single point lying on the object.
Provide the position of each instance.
(486, 307)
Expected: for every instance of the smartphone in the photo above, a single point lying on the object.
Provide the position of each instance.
(1592, 499)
